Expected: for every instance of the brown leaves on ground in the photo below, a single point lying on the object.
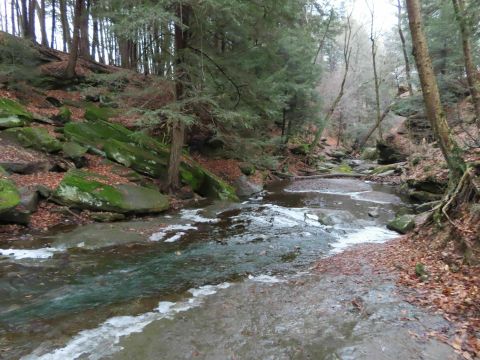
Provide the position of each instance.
(452, 288)
(227, 169)
(112, 174)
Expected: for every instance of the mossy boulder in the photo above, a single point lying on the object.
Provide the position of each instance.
(13, 114)
(93, 134)
(402, 224)
(135, 157)
(424, 196)
(35, 138)
(85, 190)
(64, 115)
(74, 151)
(386, 168)
(95, 113)
(9, 196)
(428, 184)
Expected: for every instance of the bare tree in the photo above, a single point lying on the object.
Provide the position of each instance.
(347, 53)
(376, 82)
(404, 48)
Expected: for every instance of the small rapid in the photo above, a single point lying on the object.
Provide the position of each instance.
(79, 290)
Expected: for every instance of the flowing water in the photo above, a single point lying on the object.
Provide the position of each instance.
(224, 280)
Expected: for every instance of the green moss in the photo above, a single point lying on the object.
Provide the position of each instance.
(9, 195)
(74, 151)
(344, 169)
(11, 121)
(64, 115)
(93, 134)
(95, 113)
(36, 138)
(402, 224)
(87, 191)
(10, 107)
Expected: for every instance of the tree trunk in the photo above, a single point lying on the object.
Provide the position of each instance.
(431, 96)
(72, 60)
(470, 68)
(54, 23)
(12, 11)
(42, 21)
(182, 35)
(25, 27)
(84, 40)
(31, 21)
(6, 15)
(404, 49)
(67, 40)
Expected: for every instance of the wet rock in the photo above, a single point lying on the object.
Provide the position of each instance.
(245, 188)
(20, 214)
(402, 224)
(35, 138)
(106, 216)
(388, 154)
(369, 153)
(83, 190)
(374, 213)
(386, 168)
(424, 196)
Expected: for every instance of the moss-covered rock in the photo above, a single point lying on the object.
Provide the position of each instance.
(74, 151)
(385, 168)
(402, 224)
(247, 169)
(343, 169)
(95, 113)
(85, 190)
(35, 138)
(93, 134)
(11, 121)
(64, 115)
(10, 107)
(9, 195)
(428, 184)
(135, 157)
(424, 196)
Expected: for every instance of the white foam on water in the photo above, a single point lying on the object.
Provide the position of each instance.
(175, 237)
(103, 341)
(369, 234)
(194, 216)
(266, 279)
(171, 228)
(21, 254)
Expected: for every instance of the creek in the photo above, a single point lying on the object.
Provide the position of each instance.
(222, 280)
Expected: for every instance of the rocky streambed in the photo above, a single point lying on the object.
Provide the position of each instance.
(227, 280)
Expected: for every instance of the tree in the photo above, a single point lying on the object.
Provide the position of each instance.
(182, 37)
(404, 49)
(431, 95)
(473, 83)
(74, 50)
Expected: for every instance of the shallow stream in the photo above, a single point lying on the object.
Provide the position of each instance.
(106, 290)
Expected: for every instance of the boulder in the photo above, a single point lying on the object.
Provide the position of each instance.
(386, 168)
(83, 190)
(343, 169)
(106, 217)
(424, 196)
(95, 113)
(11, 121)
(246, 188)
(10, 107)
(20, 214)
(388, 154)
(93, 134)
(75, 152)
(428, 184)
(64, 115)
(402, 224)
(35, 138)
(135, 157)
(338, 154)
(9, 195)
